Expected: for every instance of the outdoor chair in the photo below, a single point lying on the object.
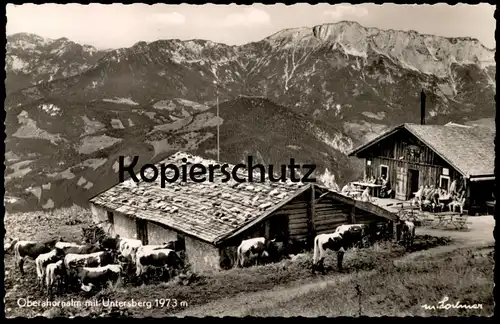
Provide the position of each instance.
(460, 222)
(426, 219)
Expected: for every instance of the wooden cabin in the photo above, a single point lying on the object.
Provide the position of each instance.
(414, 155)
(212, 218)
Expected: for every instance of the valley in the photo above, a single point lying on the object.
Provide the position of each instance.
(307, 93)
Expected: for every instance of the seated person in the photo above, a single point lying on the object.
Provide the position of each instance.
(425, 192)
(426, 202)
(386, 190)
(459, 201)
(441, 199)
(418, 194)
(434, 198)
(453, 187)
(365, 196)
(346, 189)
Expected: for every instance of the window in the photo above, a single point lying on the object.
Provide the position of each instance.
(384, 171)
(110, 217)
(444, 182)
(368, 162)
(446, 172)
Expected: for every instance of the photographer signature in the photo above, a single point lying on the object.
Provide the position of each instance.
(442, 305)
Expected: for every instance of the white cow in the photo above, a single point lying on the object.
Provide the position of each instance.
(255, 246)
(407, 233)
(54, 275)
(125, 246)
(43, 260)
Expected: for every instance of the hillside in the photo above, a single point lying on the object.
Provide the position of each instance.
(273, 134)
(310, 93)
(31, 59)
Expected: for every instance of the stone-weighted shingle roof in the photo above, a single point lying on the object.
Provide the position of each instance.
(469, 149)
(207, 210)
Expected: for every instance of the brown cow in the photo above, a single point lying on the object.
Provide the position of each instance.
(31, 250)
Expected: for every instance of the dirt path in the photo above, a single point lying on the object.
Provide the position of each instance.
(480, 235)
(240, 305)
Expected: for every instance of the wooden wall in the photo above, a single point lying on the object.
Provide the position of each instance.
(297, 213)
(306, 220)
(301, 221)
(363, 217)
(330, 214)
(393, 152)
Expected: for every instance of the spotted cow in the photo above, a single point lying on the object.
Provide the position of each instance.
(91, 277)
(257, 249)
(166, 259)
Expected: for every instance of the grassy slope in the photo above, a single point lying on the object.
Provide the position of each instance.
(461, 275)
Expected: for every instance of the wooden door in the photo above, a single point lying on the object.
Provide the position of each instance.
(401, 176)
(142, 230)
(413, 176)
(278, 228)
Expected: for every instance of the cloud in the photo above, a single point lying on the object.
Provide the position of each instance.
(170, 18)
(341, 11)
(249, 17)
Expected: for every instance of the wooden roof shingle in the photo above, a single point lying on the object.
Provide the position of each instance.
(469, 149)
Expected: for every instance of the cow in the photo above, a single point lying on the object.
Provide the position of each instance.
(73, 248)
(43, 260)
(54, 275)
(97, 259)
(352, 234)
(322, 242)
(257, 246)
(98, 276)
(125, 246)
(407, 233)
(376, 232)
(10, 245)
(31, 250)
(157, 258)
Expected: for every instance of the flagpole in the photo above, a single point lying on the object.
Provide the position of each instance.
(218, 139)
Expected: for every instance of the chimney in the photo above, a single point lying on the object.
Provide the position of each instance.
(422, 108)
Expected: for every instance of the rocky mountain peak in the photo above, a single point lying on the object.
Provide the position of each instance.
(428, 54)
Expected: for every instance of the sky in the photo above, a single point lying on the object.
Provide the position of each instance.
(117, 25)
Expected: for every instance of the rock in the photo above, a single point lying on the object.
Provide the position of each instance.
(52, 312)
(265, 205)
(282, 195)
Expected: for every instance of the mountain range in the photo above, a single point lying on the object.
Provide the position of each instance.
(307, 93)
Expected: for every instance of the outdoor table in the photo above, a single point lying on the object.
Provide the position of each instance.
(444, 218)
(445, 199)
(375, 188)
(355, 193)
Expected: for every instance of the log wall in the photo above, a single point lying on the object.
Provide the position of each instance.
(300, 220)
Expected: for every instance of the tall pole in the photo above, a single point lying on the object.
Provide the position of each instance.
(217, 98)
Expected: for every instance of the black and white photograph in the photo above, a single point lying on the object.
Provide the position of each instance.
(256, 160)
